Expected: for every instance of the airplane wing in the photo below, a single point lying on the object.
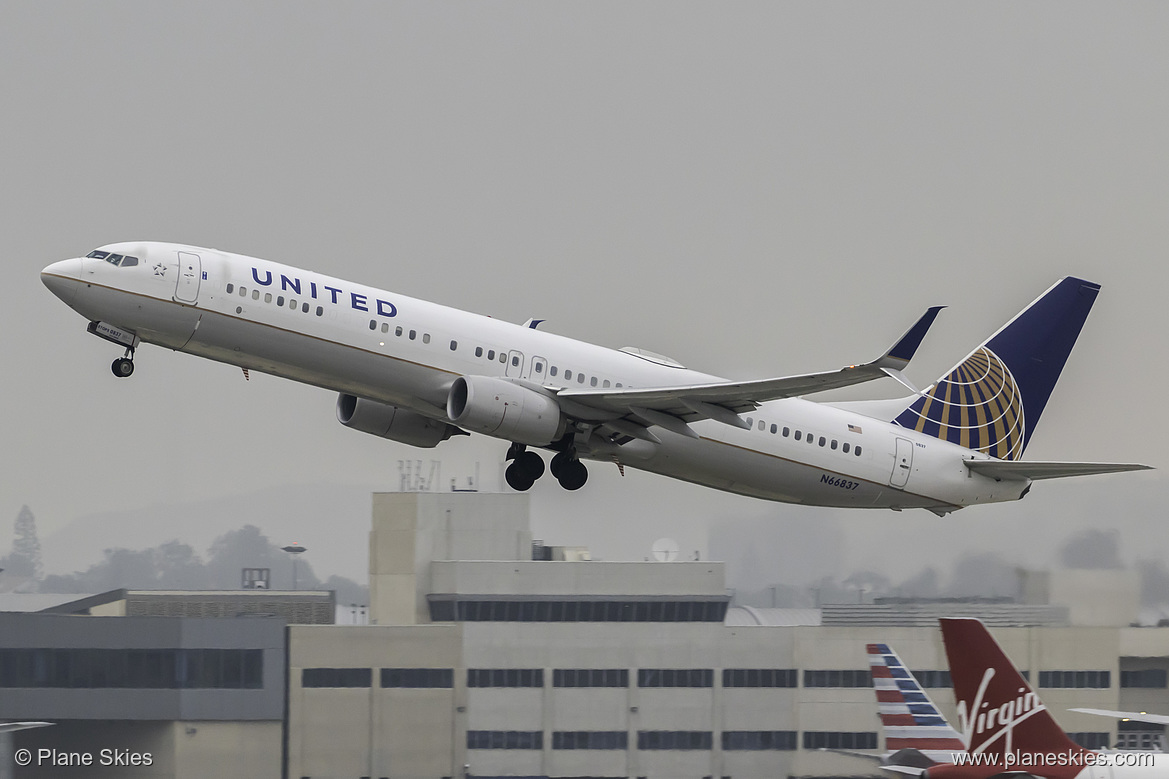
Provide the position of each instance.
(1038, 469)
(672, 407)
(1138, 716)
(10, 727)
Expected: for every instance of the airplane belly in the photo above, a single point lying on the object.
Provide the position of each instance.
(155, 321)
(322, 362)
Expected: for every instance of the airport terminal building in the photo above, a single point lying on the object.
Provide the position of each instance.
(488, 656)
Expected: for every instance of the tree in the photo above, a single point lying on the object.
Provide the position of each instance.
(25, 560)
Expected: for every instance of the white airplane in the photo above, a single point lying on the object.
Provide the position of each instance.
(418, 373)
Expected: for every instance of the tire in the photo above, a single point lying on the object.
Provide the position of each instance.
(532, 464)
(557, 464)
(122, 367)
(573, 475)
(517, 477)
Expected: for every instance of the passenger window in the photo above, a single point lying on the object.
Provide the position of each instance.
(552, 370)
(398, 331)
(129, 262)
(372, 324)
(567, 375)
(478, 351)
(320, 311)
(786, 430)
(618, 384)
(267, 297)
(762, 425)
(774, 429)
(593, 381)
(811, 438)
(490, 354)
(304, 307)
(454, 345)
(426, 338)
(230, 288)
(515, 361)
(279, 300)
(833, 446)
(413, 334)
(822, 441)
(797, 435)
(857, 451)
(243, 292)
(539, 367)
(502, 357)
(605, 383)
(291, 302)
(385, 327)
(255, 294)
(844, 448)
(580, 378)
(750, 422)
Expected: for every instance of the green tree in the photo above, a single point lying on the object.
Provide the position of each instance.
(25, 559)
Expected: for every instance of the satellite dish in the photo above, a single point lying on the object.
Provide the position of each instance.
(665, 550)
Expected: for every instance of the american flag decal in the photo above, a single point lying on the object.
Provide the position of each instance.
(854, 429)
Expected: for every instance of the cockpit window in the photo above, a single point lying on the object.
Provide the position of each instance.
(118, 260)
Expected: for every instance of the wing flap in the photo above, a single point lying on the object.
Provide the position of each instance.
(1018, 470)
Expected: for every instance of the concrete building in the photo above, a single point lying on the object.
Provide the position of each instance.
(484, 662)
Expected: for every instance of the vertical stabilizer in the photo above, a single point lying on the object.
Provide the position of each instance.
(998, 712)
(992, 400)
(908, 716)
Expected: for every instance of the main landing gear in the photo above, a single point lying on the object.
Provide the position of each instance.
(123, 367)
(527, 466)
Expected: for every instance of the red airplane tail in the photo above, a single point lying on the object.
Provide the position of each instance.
(998, 712)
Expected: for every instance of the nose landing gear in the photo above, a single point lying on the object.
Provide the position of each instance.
(123, 367)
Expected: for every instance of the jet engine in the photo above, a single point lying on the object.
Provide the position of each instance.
(505, 410)
(396, 424)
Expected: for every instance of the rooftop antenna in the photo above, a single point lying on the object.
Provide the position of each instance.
(665, 550)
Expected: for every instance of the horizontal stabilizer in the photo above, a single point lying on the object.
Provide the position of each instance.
(1038, 469)
(1136, 716)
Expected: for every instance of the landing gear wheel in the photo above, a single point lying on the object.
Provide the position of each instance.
(532, 464)
(573, 475)
(557, 464)
(518, 478)
(122, 367)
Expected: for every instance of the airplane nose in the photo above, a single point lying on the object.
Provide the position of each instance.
(63, 279)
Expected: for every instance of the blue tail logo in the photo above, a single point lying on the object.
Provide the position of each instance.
(992, 400)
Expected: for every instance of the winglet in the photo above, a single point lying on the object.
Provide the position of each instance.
(532, 324)
(902, 352)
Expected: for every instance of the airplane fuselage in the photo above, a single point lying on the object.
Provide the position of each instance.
(404, 352)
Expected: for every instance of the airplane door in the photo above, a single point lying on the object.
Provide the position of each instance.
(190, 272)
(515, 364)
(539, 370)
(902, 463)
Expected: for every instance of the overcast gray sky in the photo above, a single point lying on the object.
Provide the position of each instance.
(753, 188)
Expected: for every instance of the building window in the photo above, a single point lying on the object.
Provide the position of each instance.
(758, 740)
(132, 668)
(590, 739)
(418, 677)
(760, 677)
(939, 679)
(576, 611)
(590, 677)
(1150, 677)
(505, 677)
(335, 677)
(826, 739)
(674, 739)
(675, 677)
(1098, 680)
(1091, 740)
(505, 739)
(845, 678)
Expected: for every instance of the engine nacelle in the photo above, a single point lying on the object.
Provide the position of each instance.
(391, 422)
(505, 410)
